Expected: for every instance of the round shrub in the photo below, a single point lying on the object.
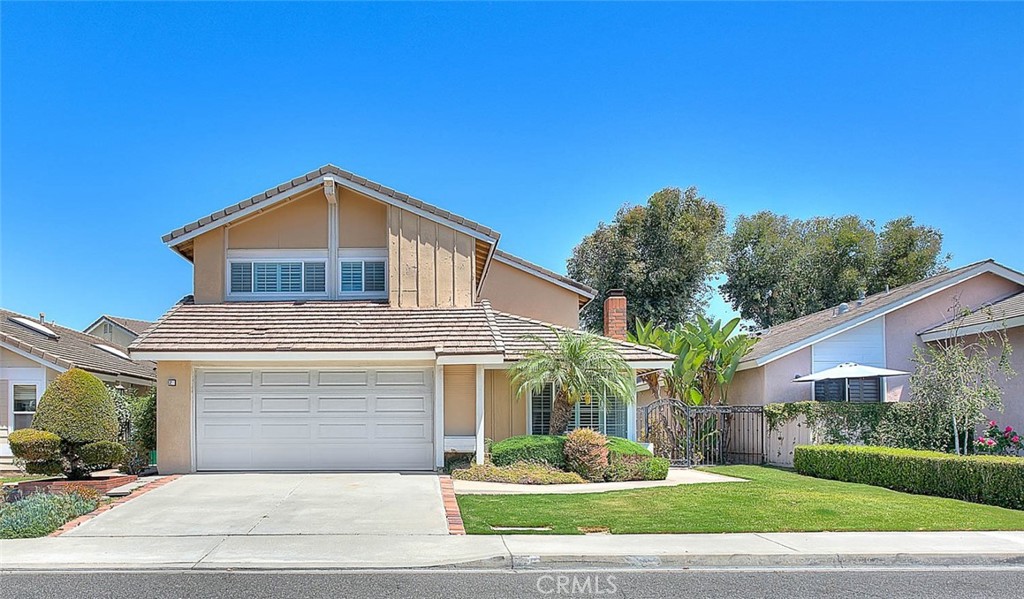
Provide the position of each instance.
(617, 446)
(34, 445)
(586, 454)
(539, 449)
(46, 467)
(102, 454)
(77, 408)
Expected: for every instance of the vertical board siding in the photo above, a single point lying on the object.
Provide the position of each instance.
(431, 265)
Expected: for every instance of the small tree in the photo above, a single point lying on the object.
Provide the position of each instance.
(578, 366)
(77, 409)
(955, 381)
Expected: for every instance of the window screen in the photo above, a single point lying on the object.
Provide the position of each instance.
(374, 273)
(24, 398)
(315, 277)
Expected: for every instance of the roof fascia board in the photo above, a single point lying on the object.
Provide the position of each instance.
(471, 359)
(284, 356)
(31, 356)
(974, 329)
(487, 267)
(544, 276)
(987, 267)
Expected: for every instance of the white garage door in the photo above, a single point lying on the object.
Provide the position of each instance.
(320, 419)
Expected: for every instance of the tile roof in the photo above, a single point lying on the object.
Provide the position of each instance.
(330, 169)
(132, 324)
(997, 312)
(517, 330)
(586, 290)
(350, 326)
(319, 326)
(71, 348)
(801, 329)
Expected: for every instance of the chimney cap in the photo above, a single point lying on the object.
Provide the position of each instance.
(616, 293)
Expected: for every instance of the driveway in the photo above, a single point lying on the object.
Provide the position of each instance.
(260, 504)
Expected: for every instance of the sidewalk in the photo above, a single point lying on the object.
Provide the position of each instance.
(514, 551)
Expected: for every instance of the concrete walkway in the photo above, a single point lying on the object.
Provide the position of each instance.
(329, 551)
(676, 476)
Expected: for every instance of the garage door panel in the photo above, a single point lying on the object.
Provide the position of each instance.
(337, 418)
(285, 404)
(343, 378)
(342, 404)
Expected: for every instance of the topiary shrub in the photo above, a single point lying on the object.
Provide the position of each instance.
(540, 449)
(34, 445)
(617, 446)
(586, 454)
(102, 454)
(636, 467)
(77, 408)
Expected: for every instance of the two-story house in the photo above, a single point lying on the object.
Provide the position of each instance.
(337, 324)
(118, 330)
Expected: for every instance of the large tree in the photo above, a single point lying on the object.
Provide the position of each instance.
(661, 254)
(779, 268)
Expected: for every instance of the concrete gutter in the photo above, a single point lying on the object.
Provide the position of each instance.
(517, 552)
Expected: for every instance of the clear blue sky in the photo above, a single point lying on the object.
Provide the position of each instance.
(122, 122)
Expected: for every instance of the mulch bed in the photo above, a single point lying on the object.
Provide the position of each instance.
(100, 484)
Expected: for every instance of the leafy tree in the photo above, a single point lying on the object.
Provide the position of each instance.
(578, 366)
(661, 253)
(779, 268)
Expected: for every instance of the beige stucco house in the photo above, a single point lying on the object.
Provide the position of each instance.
(882, 330)
(119, 330)
(335, 323)
(34, 351)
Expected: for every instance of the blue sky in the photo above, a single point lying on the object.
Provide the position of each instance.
(121, 122)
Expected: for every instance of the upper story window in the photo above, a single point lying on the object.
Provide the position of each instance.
(289, 278)
(363, 273)
(284, 274)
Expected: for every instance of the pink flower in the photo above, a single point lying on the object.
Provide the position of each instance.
(1009, 429)
(991, 422)
(1016, 439)
(991, 442)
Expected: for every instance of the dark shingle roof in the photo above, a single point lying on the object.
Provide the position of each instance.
(71, 348)
(330, 169)
(801, 329)
(1011, 307)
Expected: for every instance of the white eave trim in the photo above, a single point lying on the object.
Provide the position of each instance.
(471, 359)
(312, 184)
(974, 329)
(284, 356)
(986, 267)
(543, 275)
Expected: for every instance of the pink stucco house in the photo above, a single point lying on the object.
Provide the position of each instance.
(882, 330)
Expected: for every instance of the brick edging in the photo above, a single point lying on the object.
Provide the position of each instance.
(156, 484)
(451, 506)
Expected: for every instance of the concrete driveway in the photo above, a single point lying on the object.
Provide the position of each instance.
(261, 504)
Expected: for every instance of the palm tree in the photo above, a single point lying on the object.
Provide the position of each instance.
(578, 366)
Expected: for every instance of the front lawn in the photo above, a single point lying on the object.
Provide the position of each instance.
(773, 501)
(19, 478)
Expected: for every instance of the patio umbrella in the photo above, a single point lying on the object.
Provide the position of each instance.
(848, 370)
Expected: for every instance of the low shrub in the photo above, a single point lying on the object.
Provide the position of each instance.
(636, 467)
(617, 446)
(34, 445)
(586, 454)
(40, 514)
(102, 454)
(523, 473)
(992, 480)
(540, 449)
(999, 441)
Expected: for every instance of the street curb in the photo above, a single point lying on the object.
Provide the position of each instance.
(831, 560)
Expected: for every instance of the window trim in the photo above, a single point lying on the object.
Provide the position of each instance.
(273, 257)
(363, 255)
(602, 417)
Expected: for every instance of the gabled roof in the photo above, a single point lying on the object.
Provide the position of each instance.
(70, 349)
(794, 335)
(132, 325)
(324, 329)
(584, 290)
(1004, 314)
(310, 180)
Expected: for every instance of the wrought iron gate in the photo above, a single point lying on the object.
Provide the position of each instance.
(703, 435)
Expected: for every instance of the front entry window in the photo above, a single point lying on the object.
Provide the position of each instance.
(607, 416)
(25, 398)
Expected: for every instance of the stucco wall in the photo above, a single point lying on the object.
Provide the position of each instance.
(300, 223)
(504, 414)
(1013, 396)
(903, 325)
(460, 400)
(747, 388)
(208, 267)
(513, 290)
(434, 263)
(174, 418)
(362, 222)
(778, 378)
(117, 335)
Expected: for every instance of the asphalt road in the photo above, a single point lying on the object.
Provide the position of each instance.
(731, 584)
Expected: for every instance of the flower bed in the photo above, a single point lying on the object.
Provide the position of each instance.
(42, 513)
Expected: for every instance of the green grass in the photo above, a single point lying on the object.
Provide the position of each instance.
(19, 479)
(772, 501)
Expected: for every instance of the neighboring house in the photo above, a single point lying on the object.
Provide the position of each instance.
(33, 352)
(882, 330)
(339, 324)
(121, 331)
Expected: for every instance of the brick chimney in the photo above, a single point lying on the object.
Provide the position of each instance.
(615, 314)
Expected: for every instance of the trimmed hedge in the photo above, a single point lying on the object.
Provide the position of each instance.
(539, 449)
(34, 445)
(77, 408)
(586, 454)
(522, 473)
(617, 446)
(993, 480)
(635, 467)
